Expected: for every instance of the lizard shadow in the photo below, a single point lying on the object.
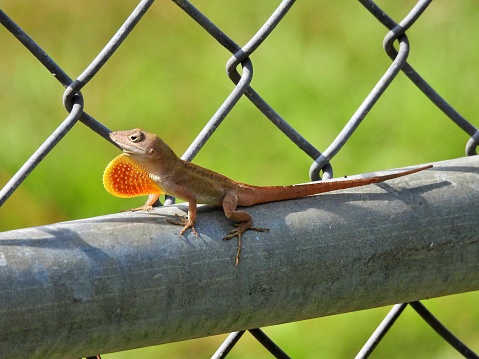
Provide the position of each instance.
(160, 218)
(405, 195)
(335, 202)
(398, 192)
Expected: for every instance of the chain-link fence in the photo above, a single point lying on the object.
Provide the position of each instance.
(239, 69)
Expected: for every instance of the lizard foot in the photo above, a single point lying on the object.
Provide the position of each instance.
(183, 221)
(239, 233)
(142, 208)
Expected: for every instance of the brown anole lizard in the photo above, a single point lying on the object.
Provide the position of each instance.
(149, 166)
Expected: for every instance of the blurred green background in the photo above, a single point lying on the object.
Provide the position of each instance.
(169, 78)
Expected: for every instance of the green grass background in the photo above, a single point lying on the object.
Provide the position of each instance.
(168, 77)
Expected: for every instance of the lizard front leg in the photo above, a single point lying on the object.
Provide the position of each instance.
(189, 221)
(147, 206)
(230, 202)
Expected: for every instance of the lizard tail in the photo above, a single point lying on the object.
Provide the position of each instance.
(279, 193)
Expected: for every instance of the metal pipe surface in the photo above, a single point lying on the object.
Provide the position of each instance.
(129, 280)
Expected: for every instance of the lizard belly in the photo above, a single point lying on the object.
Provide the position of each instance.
(209, 199)
(203, 192)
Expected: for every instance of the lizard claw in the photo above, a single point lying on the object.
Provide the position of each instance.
(142, 208)
(190, 226)
(238, 232)
(183, 221)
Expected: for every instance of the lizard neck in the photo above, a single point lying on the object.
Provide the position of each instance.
(159, 160)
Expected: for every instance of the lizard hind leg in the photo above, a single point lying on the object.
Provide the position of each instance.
(189, 221)
(245, 222)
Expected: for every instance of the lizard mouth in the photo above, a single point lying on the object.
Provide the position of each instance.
(128, 152)
(127, 148)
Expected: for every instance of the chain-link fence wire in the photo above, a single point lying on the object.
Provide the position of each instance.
(239, 69)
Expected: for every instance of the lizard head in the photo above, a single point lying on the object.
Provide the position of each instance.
(130, 174)
(141, 145)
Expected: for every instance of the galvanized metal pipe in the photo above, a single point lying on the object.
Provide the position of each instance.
(129, 280)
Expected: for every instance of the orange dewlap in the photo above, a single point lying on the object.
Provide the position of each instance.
(125, 178)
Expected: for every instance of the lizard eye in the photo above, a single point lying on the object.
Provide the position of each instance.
(136, 137)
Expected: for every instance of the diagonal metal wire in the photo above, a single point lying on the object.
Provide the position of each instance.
(435, 324)
(443, 331)
(259, 335)
(43, 150)
(108, 50)
(381, 331)
(268, 344)
(227, 345)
